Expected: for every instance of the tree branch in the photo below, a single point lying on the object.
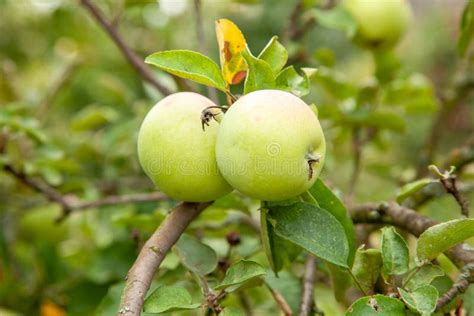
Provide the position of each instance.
(460, 286)
(152, 254)
(135, 61)
(409, 220)
(307, 301)
(281, 302)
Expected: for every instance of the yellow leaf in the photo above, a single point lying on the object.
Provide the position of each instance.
(48, 308)
(231, 43)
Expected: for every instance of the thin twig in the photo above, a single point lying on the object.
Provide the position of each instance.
(281, 302)
(152, 254)
(410, 221)
(135, 61)
(307, 301)
(450, 185)
(63, 79)
(460, 286)
(211, 92)
(448, 104)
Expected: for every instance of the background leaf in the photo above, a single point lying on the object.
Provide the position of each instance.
(337, 18)
(441, 237)
(394, 252)
(312, 228)
(467, 28)
(189, 65)
(196, 256)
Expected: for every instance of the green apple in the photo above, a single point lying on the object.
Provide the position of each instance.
(270, 145)
(177, 154)
(381, 23)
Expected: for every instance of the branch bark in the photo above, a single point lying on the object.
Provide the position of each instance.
(410, 221)
(152, 254)
(135, 61)
(460, 286)
(307, 300)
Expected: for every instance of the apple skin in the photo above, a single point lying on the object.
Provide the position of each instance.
(175, 152)
(381, 23)
(264, 141)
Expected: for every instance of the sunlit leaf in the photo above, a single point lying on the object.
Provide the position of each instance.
(289, 80)
(260, 75)
(189, 65)
(168, 299)
(441, 237)
(275, 55)
(422, 299)
(411, 188)
(240, 273)
(377, 305)
(231, 44)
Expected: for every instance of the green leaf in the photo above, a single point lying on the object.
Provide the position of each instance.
(312, 228)
(289, 80)
(196, 256)
(377, 305)
(288, 285)
(422, 299)
(367, 268)
(240, 273)
(327, 200)
(443, 284)
(189, 65)
(341, 281)
(424, 276)
(275, 55)
(259, 76)
(411, 188)
(380, 119)
(337, 18)
(441, 237)
(232, 311)
(394, 252)
(467, 28)
(279, 251)
(334, 83)
(168, 299)
(93, 117)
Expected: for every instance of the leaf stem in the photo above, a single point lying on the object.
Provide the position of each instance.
(356, 282)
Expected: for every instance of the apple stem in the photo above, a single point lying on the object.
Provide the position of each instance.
(212, 113)
(312, 159)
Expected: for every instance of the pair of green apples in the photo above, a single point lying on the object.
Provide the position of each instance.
(269, 145)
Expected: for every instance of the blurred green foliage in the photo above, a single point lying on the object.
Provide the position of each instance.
(72, 105)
